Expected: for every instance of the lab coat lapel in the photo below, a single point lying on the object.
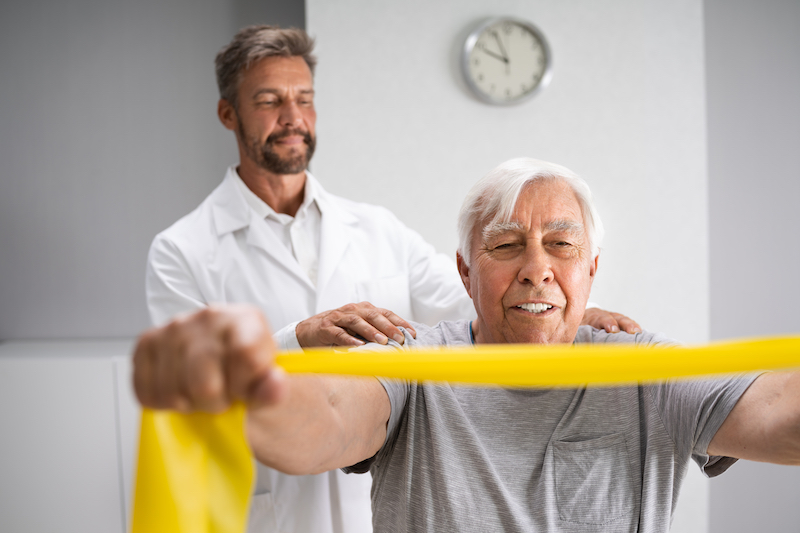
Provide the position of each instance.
(335, 237)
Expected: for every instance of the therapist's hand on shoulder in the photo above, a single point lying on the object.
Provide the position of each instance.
(349, 325)
(206, 360)
(609, 321)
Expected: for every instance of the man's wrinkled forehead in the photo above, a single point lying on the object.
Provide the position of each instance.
(496, 228)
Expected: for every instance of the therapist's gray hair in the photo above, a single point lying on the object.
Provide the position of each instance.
(254, 43)
(492, 200)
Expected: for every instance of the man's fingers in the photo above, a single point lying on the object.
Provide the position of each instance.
(370, 323)
(143, 370)
(204, 361)
(399, 321)
(341, 327)
(627, 324)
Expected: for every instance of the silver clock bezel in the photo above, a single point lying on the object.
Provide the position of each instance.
(469, 44)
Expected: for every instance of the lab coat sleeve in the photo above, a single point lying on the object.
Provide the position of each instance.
(286, 338)
(437, 292)
(172, 290)
(170, 286)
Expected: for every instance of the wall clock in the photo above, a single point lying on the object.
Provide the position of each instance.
(506, 61)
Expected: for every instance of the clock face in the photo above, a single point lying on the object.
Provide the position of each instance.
(506, 61)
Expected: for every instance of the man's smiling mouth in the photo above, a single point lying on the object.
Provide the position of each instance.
(535, 308)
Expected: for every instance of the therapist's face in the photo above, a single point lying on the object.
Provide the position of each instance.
(275, 117)
(530, 278)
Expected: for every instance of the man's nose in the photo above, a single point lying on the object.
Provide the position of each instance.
(536, 267)
(290, 114)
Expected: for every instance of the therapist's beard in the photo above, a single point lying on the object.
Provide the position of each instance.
(269, 160)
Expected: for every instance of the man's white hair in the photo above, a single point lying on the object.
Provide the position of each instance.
(492, 200)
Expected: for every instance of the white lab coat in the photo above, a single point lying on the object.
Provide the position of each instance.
(223, 252)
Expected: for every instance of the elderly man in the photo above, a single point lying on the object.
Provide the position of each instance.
(488, 459)
(272, 236)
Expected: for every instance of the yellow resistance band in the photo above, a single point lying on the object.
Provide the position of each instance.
(195, 472)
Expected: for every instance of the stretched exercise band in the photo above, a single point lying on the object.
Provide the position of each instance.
(195, 471)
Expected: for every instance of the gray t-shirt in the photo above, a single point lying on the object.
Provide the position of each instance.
(462, 458)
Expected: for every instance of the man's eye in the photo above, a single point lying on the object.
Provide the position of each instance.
(505, 246)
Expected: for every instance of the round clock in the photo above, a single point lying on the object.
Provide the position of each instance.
(506, 61)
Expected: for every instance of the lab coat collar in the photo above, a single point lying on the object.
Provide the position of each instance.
(229, 207)
(232, 213)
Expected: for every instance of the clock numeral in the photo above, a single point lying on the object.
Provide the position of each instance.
(508, 93)
(508, 28)
(480, 77)
(476, 61)
(540, 60)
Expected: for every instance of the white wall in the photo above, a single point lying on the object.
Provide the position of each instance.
(69, 427)
(753, 72)
(625, 109)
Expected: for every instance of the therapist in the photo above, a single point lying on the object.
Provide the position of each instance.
(270, 235)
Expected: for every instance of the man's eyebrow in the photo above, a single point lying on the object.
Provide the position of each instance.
(268, 90)
(498, 228)
(569, 226)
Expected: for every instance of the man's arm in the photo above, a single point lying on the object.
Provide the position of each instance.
(296, 424)
(765, 423)
(169, 285)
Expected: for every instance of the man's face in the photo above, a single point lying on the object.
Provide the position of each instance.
(530, 279)
(275, 116)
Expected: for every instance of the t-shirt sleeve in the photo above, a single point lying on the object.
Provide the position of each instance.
(694, 410)
(397, 390)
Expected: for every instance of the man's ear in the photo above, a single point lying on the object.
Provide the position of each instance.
(227, 115)
(593, 267)
(463, 271)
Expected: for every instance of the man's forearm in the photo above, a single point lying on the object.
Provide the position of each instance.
(323, 423)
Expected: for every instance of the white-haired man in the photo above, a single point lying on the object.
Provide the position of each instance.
(488, 459)
(271, 236)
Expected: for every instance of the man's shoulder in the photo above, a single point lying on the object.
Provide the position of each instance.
(445, 333)
(199, 224)
(361, 210)
(590, 335)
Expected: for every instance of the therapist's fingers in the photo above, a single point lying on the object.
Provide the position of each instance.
(609, 321)
(379, 324)
(627, 324)
(347, 325)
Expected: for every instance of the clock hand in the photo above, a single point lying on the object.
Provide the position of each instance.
(500, 44)
(494, 55)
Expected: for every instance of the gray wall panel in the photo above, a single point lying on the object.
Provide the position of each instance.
(753, 92)
(108, 134)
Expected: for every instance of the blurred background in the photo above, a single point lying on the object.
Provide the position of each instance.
(684, 117)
